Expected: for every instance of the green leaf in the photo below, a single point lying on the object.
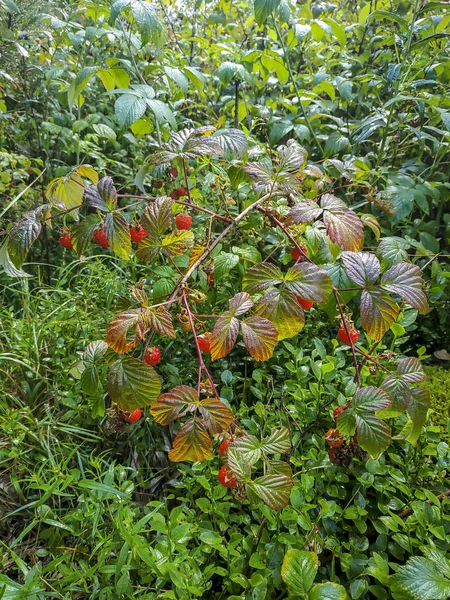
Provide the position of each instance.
(162, 112)
(405, 279)
(232, 141)
(421, 580)
(191, 443)
(274, 490)
(378, 312)
(132, 384)
(66, 190)
(22, 235)
(278, 442)
(188, 144)
(260, 337)
(102, 195)
(411, 370)
(177, 242)
(82, 232)
(264, 8)
(117, 233)
(238, 463)
(417, 410)
(224, 263)
(393, 250)
(327, 591)
(299, 570)
(283, 310)
(374, 434)
(249, 447)
(147, 21)
(8, 265)
(261, 277)
(129, 108)
(157, 218)
(309, 282)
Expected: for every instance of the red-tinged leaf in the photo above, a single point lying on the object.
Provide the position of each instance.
(304, 211)
(260, 337)
(363, 268)
(148, 249)
(279, 467)
(191, 443)
(370, 398)
(261, 277)
(374, 434)
(177, 242)
(378, 312)
(174, 404)
(118, 234)
(278, 442)
(417, 410)
(411, 370)
(102, 195)
(117, 336)
(309, 282)
(216, 415)
(249, 447)
(157, 218)
(161, 321)
(399, 393)
(274, 490)
(132, 384)
(283, 310)
(224, 335)
(291, 157)
(405, 280)
(344, 227)
(240, 304)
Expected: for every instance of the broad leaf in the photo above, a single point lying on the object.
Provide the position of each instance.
(421, 579)
(82, 232)
(129, 108)
(327, 591)
(343, 225)
(132, 383)
(264, 8)
(299, 570)
(393, 250)
(399, 393)
(177, 242)
(187, 144)
(411, 370)
(240, 303)
(274, 490)
(303, 211)
(363, 268)
(238, 463)
(191, 443)
(157, 218)
(224, 335)
(174, 404)
(118, 234)
(249, 447)
(260, 337)
(278, 442)
(232, 141)
(370, 398)
(161, 321)
(102, 195)
(405, 279)
(309, 282)
(417, 410)
(8, 265)
(117, 334)
(378, 312)
(283, 310)
(374, 434)
(216, 415)
(68, 190)
(22, 235)
(261, 277)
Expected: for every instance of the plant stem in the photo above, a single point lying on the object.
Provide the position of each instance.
(352, 346)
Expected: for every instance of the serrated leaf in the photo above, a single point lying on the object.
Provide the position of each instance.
(132, 384)
(264, 8)
(363, 268)
(249, 447)
(177, 242)
(161, 321)
(22, 235)
(174, 404)
(8, 265)
(232, 141)
(102, 195)
(117, 333)
(191, 443)
(411, 370)
(417, 410)
(279, 467)
(283, 310)
(188, 144)
(421, 580)
(105, 131)
(303, 211)
(129, 108)
(238, 463)
(344, 227)
(224, 335)
(67, 190)
(261, 277)
(370, 398)
(240, 303)
(399, 393)
(260, 337)
(278, 442)
(274, 490)
(118, 234)
(309, 282)
(378, 312)
(374, 434)
(197, 250)
(405, 280)
(90, 381)
(95, 351)
(393, 250)
(299, 570)
(346, 422)
(82, 232)
(216, 415)
(224, 263)
(157, 218)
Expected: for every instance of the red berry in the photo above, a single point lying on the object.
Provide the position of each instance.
(306, 304)
(183, 222)
(332, 456)
(351, 337)
(204, 343)
(152, 356)
(337, 411)
(174, 172)
(158, 184)
(65, 241)
(227, 478)
(297, 255)
(181, 191)
(334, 438)
(174, 196)
(137, 234)
(100, 238)
(134, 416)
(224, 447)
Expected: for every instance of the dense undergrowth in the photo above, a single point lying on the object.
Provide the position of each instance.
(310, 101)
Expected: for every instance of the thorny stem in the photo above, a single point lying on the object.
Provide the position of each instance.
(202, 366)
(352, 345)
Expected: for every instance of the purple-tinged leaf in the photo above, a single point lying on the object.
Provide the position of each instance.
(191, 443)
(224, 335)
(405, 279)
(283, 310)
(174, 404)
(378, 312)
(261, 277)
(363, 268)
(309, 282)
(260, 337)
(240, 304)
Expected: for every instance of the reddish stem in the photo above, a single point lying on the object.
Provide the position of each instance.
(347, 331)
